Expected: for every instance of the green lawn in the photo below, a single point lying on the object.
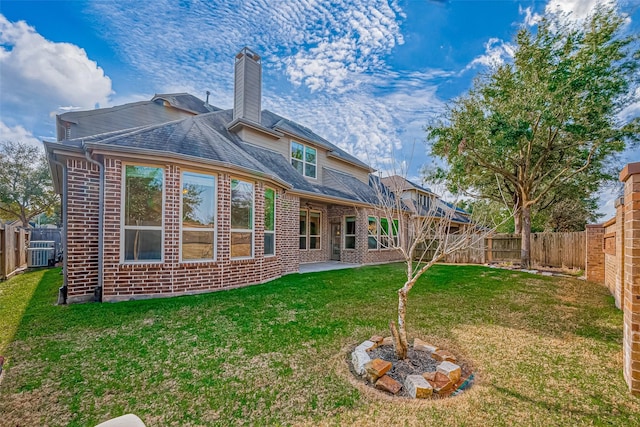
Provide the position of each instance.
(546, 351)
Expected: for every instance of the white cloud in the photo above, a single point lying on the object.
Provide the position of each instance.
(530, 17)
(17, 134)
(496, 52)
(336, 51)
(577, 9)
(36, 71)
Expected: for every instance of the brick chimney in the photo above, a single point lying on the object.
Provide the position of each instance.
(247, 93)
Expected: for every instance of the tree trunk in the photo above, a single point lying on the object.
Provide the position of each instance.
(525, 247)
(400, 334)
(517, 222)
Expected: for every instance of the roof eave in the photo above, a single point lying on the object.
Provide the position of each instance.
(110, 149)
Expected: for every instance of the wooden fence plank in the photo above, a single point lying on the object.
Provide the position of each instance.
(557, 250)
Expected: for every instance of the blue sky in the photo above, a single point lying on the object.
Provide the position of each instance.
(380, 69)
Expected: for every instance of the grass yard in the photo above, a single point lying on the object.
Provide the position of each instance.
(546, 351)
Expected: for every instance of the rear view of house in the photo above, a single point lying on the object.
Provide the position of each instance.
(175, 196)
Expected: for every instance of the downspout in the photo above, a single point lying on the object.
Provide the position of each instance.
(98, 289)
(62, 291)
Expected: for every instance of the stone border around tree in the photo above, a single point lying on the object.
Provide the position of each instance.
(447, 380)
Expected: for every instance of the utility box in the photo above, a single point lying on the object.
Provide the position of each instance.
(41, 253)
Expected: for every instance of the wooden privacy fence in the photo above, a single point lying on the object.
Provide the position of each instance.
(559, 250)
(13, 249)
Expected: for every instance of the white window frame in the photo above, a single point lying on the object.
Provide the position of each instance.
(275, 197)
(215, 210)
(123, 227)
(253, 220)
(307, 232)
(355, 231)
(304, 158)
(390, 236)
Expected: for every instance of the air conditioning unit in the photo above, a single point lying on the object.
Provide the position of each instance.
(41, 253)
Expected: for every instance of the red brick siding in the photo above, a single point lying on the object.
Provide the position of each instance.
(83, 189)
(595, 254)
(287, 225)
(322, 254)
(171, 276)
(631, 305)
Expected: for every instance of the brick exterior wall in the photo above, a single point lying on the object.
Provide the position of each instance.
(594, 270)
(620, 249)
(171, 276)
(631, 308)
(83, 187)
(123, 281)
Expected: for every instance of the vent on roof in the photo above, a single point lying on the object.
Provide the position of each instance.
(247, 86)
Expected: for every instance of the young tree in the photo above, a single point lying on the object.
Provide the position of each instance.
(424, 233)
(548, 119)
(25, 182)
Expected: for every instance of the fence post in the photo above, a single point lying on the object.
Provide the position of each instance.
(594, 263)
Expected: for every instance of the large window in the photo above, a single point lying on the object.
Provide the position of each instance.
(241, 219)
(383, 233)
(198, 216)
(309, 230)
(350, 232)
(269, 221)
(304, 159)
(142, 220)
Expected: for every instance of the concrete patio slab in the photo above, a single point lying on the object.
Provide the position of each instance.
(312, 267)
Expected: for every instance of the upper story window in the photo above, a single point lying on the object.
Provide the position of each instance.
(269, 222)
(198, 216)
(304, 159)
(142, 219)
(241, 219)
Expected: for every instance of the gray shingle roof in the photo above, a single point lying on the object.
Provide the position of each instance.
(150, 126)
(186, 101)
(127, 116)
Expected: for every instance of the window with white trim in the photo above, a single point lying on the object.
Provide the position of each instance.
(304, 159)
(269, 222)
(198, 204)
(142, 213)
(242, 211)
(382, 233)
(309, 229)
(350, 232)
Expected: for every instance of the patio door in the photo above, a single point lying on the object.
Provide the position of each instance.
(335, 242)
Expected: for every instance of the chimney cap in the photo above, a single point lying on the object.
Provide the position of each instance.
(248, 52)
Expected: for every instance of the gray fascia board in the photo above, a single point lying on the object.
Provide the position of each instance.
(107, 148)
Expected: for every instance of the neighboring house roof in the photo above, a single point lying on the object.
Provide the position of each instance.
(399, 183)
